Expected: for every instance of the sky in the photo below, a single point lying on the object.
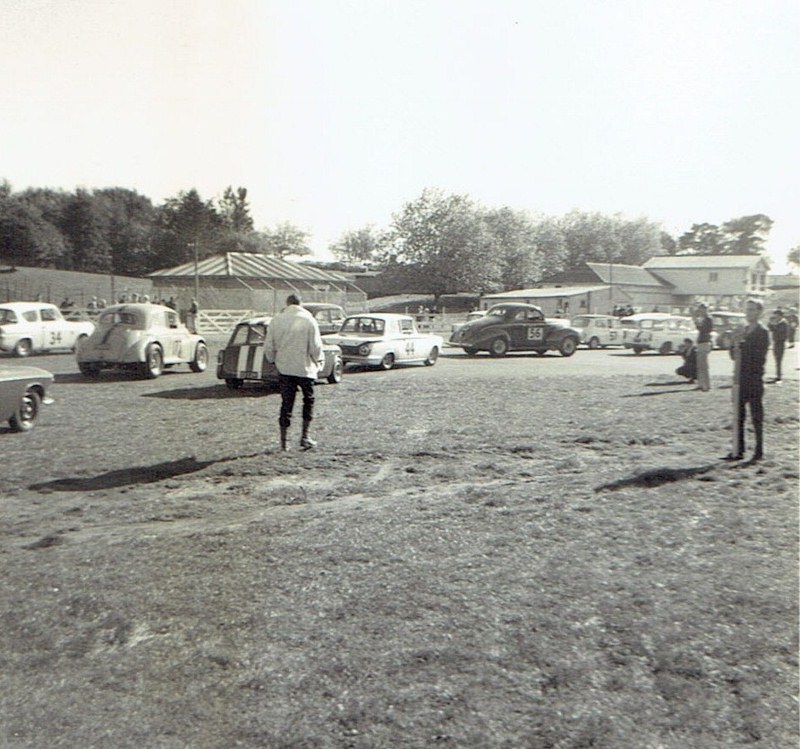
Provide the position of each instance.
(334, 113)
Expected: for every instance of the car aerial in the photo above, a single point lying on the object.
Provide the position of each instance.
(516, 327)
(23, 390)
(329, 317)
(658, 331)
(474, 315)
(725, 325)
(383, 340)
(32, 327)
(243, 357)
(146, 338)
(599, 331)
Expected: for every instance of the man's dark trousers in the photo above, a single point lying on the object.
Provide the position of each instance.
(288, 385)
(777, 349)
(757, 415)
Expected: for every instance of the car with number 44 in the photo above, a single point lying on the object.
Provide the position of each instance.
(384, 340)
(32, 327)
(145, 338)
(516, 327)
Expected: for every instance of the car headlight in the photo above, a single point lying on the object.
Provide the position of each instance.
(364, 349)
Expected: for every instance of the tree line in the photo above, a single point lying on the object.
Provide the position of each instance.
(441, 242)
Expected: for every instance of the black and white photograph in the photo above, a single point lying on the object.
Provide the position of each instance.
(399, 374)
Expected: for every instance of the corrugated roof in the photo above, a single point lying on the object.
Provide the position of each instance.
(619, 273)
(544, 293)
(251, 265)
(688, 262)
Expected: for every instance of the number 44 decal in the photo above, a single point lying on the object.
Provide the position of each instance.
(409, 347)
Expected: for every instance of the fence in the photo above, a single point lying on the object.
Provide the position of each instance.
(219, 320)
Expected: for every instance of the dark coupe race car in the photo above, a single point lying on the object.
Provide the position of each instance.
(516, 327)
(23, 390)
(243, 358)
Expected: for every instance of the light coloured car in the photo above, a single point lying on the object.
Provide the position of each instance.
(23, 390)
(658, 332)
(599, 331)
(329, 317)
(384, 340)
(36, 327)
(146, 338)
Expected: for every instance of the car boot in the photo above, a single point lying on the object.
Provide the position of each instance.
(305, 441)
(284, 439)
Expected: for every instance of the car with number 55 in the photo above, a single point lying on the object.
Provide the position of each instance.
(516, 327)
(32, 327)
(144, 338)
(384, 340)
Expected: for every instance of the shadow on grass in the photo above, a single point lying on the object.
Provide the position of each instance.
(107, 377)
(214, 392)
(652, 392)
(134, 475)
(665, 384)
(656, 477)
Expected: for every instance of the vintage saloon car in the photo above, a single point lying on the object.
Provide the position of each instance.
(516, 327)
(658, 332)
(599, 331)
(383, 340)
(31, 327)
(243, 358)
(329, 317)
(23, 390)
(146, 338)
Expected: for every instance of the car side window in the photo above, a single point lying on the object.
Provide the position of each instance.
(534, 316)
(30, 315)
(406, 326)
(47, 314)
(600, 324)
(659, 325)
(172, 319)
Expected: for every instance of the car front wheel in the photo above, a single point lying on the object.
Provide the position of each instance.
(432, 357)
(27, 412)
(153, 364)
(637, 350)
(336, 373)
(200, 361)
(470, 350)
(23, 348)
(388, 361)
(666, 348)
(594, 342)
(567, 347)
(498, 347)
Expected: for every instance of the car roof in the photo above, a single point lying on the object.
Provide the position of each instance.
(137, 306)
(321, 305)
(387, 316)
(26, 305)
(517, 305)
(594, 316)
(649, 316)
(726, 312)
(256, 321)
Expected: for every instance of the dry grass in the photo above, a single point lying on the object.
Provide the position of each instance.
(541, 565)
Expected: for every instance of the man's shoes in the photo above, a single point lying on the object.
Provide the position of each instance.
(778, 381)
(305, 441)
(757, 455)
(284, 439)
(733, 456)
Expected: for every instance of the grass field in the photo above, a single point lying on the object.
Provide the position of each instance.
(541, 564)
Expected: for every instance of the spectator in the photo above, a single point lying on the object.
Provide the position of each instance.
(779, 328)
(705, 326)
(171, 303)
(791, 321)
(689, 367)
(191, 317)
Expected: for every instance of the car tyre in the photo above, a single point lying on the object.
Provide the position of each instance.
(89, 370)
(79, 342)
(23, 348)
(27, 412)
(568, 346)
(594, 343)
(637, 350)
(153, 364)
(432, 357)
(200, 361)
(234, 383)
(470, 350)
(498, 347)
(336, 373)
(666, 348)
(388, 361)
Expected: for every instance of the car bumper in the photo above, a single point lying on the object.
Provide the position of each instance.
(370, 360)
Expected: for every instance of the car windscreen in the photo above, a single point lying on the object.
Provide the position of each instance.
(7, 317)
(119, 317)
(498, 311)
(248, 334)
(363, 326)
(581, 322)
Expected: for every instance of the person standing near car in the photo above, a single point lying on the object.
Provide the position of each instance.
(779, 328)
(749, 352)
(293, 344)
(704, 325)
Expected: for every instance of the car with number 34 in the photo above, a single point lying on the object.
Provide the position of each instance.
(516, 327)
(145, 338)
(32, 327)
(383, 340)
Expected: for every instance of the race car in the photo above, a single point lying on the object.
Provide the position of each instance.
(598, 331)
(243, 358)
(23, 390)
(659, 332)
(32, 327)
(516, 327)
(329, 317)
(146, 338)
(384, 340)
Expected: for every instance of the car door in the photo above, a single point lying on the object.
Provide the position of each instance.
(535, 330)
(515, 326)
(407, 339)
(176, 341)
(614, 333)
(52, 332)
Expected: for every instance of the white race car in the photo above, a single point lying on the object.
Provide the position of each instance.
(144, 337)
(599, 331)
(383, 340)
(31, 327)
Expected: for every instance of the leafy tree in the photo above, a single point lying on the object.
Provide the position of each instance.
(129, 230)
(184, 223)
(234, 210)
(284, 240)
(513, 236)
(746, 235)
(702, 239)
(359, 246)
(26, 238)
(444, 241)
(793, 257)
(668, 244)
(85, 223)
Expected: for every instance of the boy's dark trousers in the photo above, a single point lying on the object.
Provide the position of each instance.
(757, 416)
(777, 349)
(288, 386)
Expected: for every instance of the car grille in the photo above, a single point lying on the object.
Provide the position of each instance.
(349, 350)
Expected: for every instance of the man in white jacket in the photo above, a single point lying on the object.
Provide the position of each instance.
(294, 345)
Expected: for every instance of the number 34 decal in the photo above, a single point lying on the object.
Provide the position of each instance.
(55, 337)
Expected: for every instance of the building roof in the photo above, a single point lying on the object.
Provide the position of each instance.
(689, 262)
(545, 293)
(618, 273)
(251, 265)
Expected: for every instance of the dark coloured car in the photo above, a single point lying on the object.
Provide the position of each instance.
(725, 325)
(329, 317)
(243, 358)
(516, 327)
(23, 390)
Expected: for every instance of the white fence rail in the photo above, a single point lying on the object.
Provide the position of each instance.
(218, 320)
